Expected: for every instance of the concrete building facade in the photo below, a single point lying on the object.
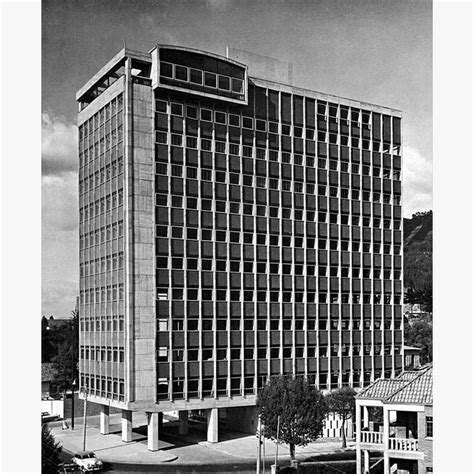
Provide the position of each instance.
(231, 228)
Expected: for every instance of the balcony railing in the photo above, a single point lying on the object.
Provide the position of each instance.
(373, 437)
(402, 444)
(394, 444)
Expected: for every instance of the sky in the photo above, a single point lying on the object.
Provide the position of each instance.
(373, 51)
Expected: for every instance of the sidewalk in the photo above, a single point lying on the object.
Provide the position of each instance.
(233, 447)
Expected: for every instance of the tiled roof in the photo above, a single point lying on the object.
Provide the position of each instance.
(419, 391)
(47, 371)
(414, 387)
(408, 375)
(381, 388)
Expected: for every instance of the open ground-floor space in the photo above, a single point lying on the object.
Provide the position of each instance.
(233, 449)
(208, 421)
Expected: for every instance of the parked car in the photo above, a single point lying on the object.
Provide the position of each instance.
(65, 468)
(87, 461)
(46, 417)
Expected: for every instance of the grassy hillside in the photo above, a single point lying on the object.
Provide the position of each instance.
(418, 255)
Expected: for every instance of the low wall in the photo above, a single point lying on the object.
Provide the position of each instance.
(53, 407)
(63, 408)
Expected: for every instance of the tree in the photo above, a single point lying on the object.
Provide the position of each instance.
(46, 343)
(66, 359)
(50, 451)
(420, 334)
(342, 402)
(422, 297)
(301, 408)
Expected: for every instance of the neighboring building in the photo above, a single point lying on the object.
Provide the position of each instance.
(52, 323)
(415, 312)
(397, 421)
(412, 357)
(231, 228)
(48, 376)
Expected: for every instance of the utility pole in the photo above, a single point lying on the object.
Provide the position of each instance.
(73, 360)
(276, 452)
(259, 447)
(72, 405)
(84, 426)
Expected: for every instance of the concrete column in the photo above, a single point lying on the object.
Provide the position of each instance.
(358, 428)
(213, 425)
(183, 422)
(386, 431)
(126, 426)
(104, 420)
(153, 430)
(366, 462)
(366, 417)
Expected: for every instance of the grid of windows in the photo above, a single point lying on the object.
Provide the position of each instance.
(278, 243)
(101, 246)
(277, 236)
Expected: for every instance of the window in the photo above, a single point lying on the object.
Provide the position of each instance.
(237, 85)
(181, 73)
(247, 122)
(162, 354)
(195, 76)
(206, 144)
(191, 111)
(206, 115)
(191, 142)
(161, 137)
(177, 109)
(210, 79)
(206, 175)
(220, 117)
(166, 69)
(224, 82)
(429, 426)
(220, 147)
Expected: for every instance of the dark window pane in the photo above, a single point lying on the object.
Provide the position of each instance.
(210, 79)
(181, 73)
(196, 76)
(166, 70)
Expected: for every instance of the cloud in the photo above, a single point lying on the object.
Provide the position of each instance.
(58, 145)
(60, 243)
(417, 182)
(60, 203)
(219, 5)
(59, 297)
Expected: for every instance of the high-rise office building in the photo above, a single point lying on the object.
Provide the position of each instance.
(231, 228)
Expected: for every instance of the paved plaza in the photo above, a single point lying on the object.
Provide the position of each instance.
(232, 448)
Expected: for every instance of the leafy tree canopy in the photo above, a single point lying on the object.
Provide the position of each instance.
(342, 402)
(301, 408)
(65, 354)
(423, 297)
(420, 334)
(50, 451)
